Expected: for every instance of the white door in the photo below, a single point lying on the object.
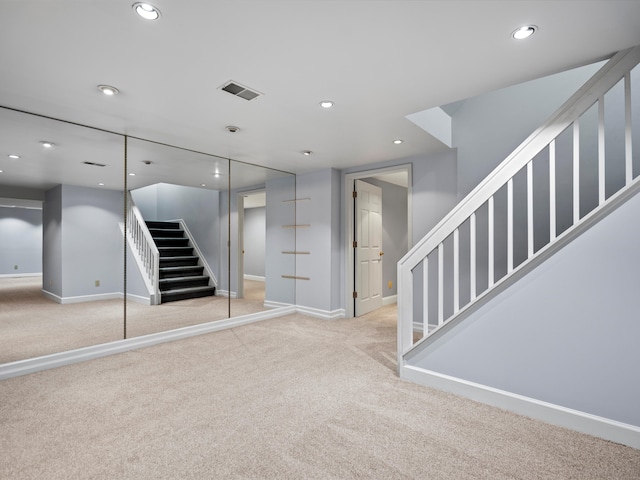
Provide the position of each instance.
(368, 248)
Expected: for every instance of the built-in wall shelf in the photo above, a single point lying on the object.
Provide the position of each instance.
(295, 277)
(293, 200)
(294, 253)
(305, 225)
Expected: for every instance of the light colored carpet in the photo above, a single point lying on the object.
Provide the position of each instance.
(288, 398)
(32, 325)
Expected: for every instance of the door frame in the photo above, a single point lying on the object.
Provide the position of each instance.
(349, 179)
(240, 259)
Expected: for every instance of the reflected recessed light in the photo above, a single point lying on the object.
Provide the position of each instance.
(326, 104)
(108, 90)
(203, 184)
(146, 11)
(47, 144)
(524, 32)
(398, 141)
(132, 174)
(101, 184)
(307, 152)
(15, 157)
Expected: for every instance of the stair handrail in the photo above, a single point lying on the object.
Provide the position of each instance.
(593, 90)
(145, 250)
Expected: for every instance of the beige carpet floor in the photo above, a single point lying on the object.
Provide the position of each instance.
(288, 398)
(32, 325)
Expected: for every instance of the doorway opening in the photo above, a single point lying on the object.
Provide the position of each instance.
(251, 254)
(396, 237)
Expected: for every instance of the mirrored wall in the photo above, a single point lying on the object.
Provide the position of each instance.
(105, 237)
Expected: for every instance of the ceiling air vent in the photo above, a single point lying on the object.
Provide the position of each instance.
(239, 91)
(93, 164)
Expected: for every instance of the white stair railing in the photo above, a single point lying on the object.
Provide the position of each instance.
(455, 266)
(144, 249)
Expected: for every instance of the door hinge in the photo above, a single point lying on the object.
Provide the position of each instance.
(355, 244)
(355, 294)
(355, 194)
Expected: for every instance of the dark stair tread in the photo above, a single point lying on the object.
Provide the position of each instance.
(181, 271)
(187, 293)
(178, 280)
(171, 241)
(175, 251)
(164, 225)
(164, 232)
(184, 261)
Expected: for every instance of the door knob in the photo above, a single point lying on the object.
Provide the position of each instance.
(381, 253)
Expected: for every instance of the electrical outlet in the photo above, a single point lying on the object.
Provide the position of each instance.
(97, 283)
(390, 284)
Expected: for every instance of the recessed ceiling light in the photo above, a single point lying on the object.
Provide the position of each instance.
(326, 104)
(216, 175)
(101, 184)
(398, 141)
(524, 32)
(108, 90)
(307, 152)
(132, 174)
(47, 144)
(146, 11)
(15, 157)
(203, 184)
(1, 171)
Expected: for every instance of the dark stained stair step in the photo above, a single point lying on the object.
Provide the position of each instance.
(164, 232)
(186, 293)
(188, 261)
(183, 282)
(171, 242)
(164, 225)
(175, 251)
(183, 271)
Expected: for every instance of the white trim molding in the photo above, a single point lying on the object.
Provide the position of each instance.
(46, 362)
(390, 300)
(324, 314)
(19, 275)
(255, 278)
(547, 412)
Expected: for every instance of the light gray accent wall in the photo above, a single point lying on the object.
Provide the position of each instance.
(146, 199)
(279, 211)
(52, 241)
(92, 242)
(487, 128)
(395, 230)
(20, 241)
(567, 332)
(323, 189)
(254, 241)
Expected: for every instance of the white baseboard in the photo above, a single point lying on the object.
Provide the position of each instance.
(225, 293)
(272, 304)
(547, 412)
(390, 300)
(255, 278)
(324, 314)
(83, 298)
(37, 364)
(19, 275)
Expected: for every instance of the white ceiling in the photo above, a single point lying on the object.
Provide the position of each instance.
(379, 61)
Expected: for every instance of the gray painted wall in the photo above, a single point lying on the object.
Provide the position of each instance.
(487, 128)
(280, 211)
(254, 241)
(82, 241)
(52, 241)
(92, 242)
(567, 332)
(322, 213)
(20, 241)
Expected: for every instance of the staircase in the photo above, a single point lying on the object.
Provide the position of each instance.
(180, 275)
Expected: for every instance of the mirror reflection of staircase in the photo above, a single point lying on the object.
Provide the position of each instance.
(182, 275)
